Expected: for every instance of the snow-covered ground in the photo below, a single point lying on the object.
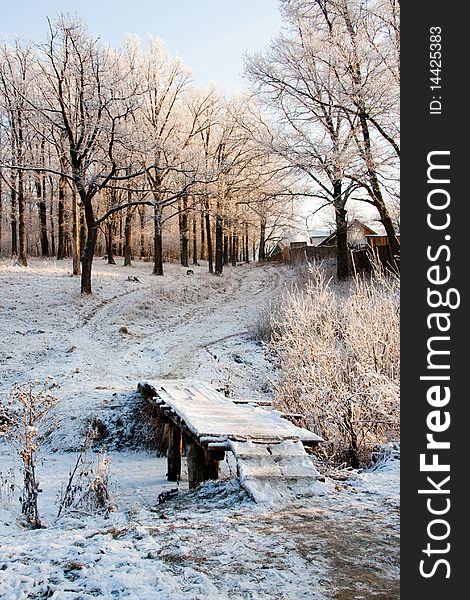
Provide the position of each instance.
(210, 543)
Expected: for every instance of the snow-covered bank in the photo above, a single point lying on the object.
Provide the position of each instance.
(211, 543)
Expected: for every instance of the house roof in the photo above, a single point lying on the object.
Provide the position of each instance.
(354, 222)
(278, 247)
(319, 233)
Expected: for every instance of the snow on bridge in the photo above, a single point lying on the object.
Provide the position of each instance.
(269, 450)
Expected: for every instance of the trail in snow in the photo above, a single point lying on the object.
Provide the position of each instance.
(175, 326)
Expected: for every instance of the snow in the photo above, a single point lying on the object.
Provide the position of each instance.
(274, 473)
(213, 542)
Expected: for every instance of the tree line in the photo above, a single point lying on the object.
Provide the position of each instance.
(97, 142)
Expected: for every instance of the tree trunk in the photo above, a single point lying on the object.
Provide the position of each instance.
(22, 235)
(203, 241)
(75, 234)
(376, 192)
(247, 248)
(219, 245)
(342, 250)
(128, 236)
(42, 209)
(195, 263)
(142, 230)
(209, 238)
(157, 241)
(51, 214)
(13, 203)
(225, 249)
(184, 232)
(119, 244)
(89, 251)
(13, 218)
(83, 231)
(61, 218)
(262, 241)
(109, 242)
(41, 200)
(233, 256)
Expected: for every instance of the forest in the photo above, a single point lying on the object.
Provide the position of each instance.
(118, 151)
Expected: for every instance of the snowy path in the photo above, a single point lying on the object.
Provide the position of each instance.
(177, 326)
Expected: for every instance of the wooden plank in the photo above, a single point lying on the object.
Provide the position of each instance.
(207, 413)
(195, 456)
(211, 465)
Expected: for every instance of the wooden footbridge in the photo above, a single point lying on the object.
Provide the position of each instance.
(269, 450)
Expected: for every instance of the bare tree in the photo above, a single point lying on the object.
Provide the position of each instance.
(371, 75)
(165, 80)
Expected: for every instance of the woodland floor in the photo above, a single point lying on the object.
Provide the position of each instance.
(213, 543)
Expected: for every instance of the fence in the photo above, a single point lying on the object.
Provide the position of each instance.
(359, 260)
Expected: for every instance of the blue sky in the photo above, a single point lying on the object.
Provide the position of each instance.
(209, 35)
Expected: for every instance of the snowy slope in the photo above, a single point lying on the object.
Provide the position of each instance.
(210, 543)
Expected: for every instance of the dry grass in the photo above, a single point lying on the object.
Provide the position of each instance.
(338, 351)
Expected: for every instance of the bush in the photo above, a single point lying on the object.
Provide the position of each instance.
(23, 418)
(87, 488)
(263, 325)
(338, 352)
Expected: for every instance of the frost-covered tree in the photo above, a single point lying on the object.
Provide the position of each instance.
(331, 78)
(15, 88)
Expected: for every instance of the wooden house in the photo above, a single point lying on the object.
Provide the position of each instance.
(358, 234)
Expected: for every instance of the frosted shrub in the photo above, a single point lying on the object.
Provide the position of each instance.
(265, 319)
(87, 488)
(70, 493)
(338, 352)
(23, 418)
(7, 487)
(97, 498)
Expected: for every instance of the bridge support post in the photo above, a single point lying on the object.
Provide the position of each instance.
(174, 453)
(201, 464)
(196, 461)
(211, 465)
